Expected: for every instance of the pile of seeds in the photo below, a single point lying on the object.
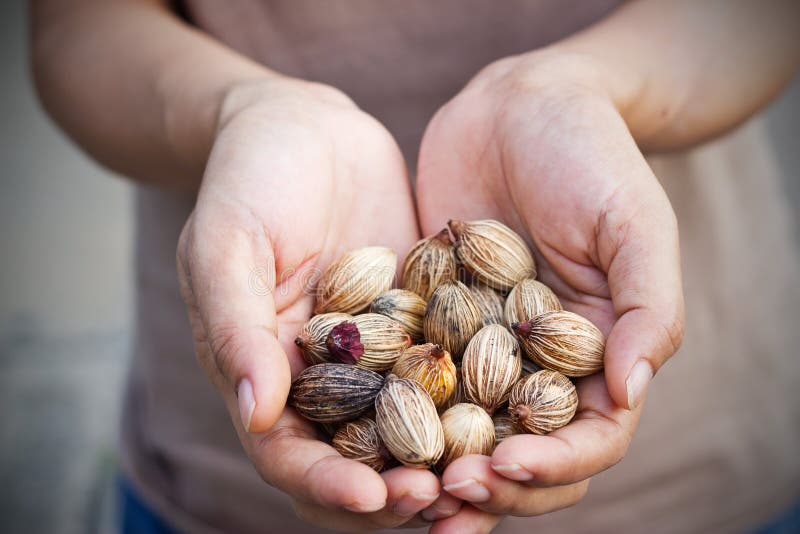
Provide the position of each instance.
(471, 350)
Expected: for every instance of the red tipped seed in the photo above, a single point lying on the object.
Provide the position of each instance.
(344, 343)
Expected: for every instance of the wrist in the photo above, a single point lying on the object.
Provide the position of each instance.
(560, 74)
(254, 95)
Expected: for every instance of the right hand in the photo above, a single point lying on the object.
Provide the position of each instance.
(297, 176)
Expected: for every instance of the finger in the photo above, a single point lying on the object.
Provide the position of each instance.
(469, 520)
(408, 492)
(445, 506)
(597, 438)
(290, 457)
(472, 479)
(639, 250)
(338, 520)
(233, 322)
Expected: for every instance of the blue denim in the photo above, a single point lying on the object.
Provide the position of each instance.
(787, 523)
(134, 516)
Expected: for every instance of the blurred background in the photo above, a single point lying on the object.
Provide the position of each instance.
(66, 304)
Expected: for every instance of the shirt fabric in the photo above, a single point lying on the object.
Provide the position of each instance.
(716, 448)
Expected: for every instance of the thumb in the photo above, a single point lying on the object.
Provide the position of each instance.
(644, 279)
(234, 320)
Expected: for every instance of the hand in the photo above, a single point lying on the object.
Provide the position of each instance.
(297, 176)
(531, 141)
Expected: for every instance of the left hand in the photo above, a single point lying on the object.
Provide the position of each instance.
(533, 143)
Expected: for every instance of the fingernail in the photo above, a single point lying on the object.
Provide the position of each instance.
(247, 402)
(364, 508)
(412, 503)
(469, 490)
(433, 513)
(637, 382)
(514, 472)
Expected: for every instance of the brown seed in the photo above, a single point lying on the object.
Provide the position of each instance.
(334, 392)
(370, 340)
(353, 281)
(359, 440)
(311, 338)
(452, 318)
(431, 262)
(493, 253)
(431, 366)
(491, 366)
(543, 402)
(528, 299)
(503, 426)
(489, 301)
(408, 423)
(468, 429)
(405, 307)
(562, 341)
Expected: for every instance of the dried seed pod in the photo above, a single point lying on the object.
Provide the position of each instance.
(467, 430)
(359, 440)
(503, 426)
(431, 262)
(372, 341)
(353, 281)
(562, 341)
(493, 253)
(431, 366)
(405, 307)
(491, 366)
(311, 338)
(334, 392)
(489, 301)
(408, 423)
(542, 402)
(528, 299)
(452, 318)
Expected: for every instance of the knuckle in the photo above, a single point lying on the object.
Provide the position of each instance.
(227, 347)
(674, 331)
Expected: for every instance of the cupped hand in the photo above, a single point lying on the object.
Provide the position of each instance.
(297, 176)
(532, 141)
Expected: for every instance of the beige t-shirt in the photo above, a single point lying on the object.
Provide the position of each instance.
(716, 449)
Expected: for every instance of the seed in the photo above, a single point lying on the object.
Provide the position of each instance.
(528, 299)
(370, 340)
(405, 307)
(334, 392)
(359, 440)
(353, 281)
(562, 341)
(452, 318)
(408, 423)
(430, 263)
(467, 430)
(431, 366)
(503, 426)
(543, 402)
(493, 253)
(311, 338)
(489, 301)
(491, 366)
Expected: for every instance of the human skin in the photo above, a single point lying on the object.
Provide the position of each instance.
(549, 142)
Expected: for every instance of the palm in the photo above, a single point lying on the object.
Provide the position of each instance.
(289, 187)
(562, 171)
(315, 200)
